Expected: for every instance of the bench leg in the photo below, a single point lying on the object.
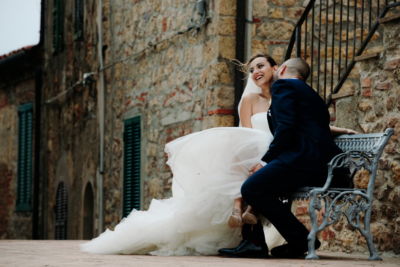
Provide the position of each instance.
(373, 253)
(311, 255)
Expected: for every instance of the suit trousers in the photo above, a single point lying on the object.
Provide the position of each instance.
(264, 189)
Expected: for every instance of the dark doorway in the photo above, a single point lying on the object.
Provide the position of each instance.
(88, 212)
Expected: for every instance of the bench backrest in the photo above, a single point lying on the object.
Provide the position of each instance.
(373, 143)
(371, 146)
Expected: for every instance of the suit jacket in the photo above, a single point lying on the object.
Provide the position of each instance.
(299, 121)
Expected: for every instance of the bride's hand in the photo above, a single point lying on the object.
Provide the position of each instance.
(255, 168)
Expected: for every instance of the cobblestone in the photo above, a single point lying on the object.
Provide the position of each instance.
(34, 253)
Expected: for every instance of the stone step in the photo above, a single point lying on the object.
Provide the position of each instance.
(366, 56)
(389, 19)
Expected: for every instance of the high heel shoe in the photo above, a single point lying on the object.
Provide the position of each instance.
(248, 217)
(235, 220)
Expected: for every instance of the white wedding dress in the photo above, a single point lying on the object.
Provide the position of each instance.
(208, 169)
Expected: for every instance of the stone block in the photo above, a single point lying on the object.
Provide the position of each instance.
(366, 92)
(259, 46)
(227, 26)
(365, 105)
(396, 172)
(170, 117)
(210, 51)
(346, 114)
(226, 97)
(227, 47)
(366, 82)
(285, 3)
(155, 188)
(301, 210)
(277, 30)
(216, 120)
(361, 179)
(226, 7)
(348, 89)
(275, 13)
(3, 99)
(383, 85)
(278, 53)
(328, 234)
(294, 12)
(260, 8)
(392, 64)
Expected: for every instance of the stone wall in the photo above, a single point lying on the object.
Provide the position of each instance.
(14, 91)
(177, 84)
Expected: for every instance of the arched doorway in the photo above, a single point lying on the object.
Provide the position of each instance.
(88, 212)
(61, 212)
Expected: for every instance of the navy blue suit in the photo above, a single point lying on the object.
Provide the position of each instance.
(297, 157)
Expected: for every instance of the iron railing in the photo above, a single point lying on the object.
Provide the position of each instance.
(331, 34)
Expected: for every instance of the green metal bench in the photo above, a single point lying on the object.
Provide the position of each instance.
(360, 151)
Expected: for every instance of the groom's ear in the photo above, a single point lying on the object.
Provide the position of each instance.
(282, 70)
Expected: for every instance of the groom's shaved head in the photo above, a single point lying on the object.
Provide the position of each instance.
(297, 67)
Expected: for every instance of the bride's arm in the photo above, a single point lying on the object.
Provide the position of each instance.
(245, 112)
(338, 130)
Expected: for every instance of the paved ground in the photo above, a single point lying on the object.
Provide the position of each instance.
(50, 253)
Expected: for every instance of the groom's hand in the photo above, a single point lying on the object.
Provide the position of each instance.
(255, 168)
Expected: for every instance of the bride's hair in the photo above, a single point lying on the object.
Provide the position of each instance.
(244, 67)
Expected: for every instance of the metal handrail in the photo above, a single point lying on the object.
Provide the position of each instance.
(364, 16)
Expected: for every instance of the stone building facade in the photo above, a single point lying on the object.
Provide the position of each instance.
(166, 66)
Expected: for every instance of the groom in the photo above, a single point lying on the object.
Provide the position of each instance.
(297, 157)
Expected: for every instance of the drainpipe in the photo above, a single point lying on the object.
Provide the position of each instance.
(248, 28)
(240, 52)
(101, 111)
(39, 189)
(37, 232)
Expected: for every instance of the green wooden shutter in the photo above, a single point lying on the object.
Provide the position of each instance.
(78, 22)
(131, 165)
(24, 186)
(58, 26)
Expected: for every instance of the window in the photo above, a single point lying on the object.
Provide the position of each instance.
(131, 165)
(24, 187)
(78, 22)
(58, 26)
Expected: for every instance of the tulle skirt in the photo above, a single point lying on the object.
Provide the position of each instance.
(208, 169)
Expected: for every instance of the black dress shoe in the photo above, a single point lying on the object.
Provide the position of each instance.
(289, 251)
(245, 249)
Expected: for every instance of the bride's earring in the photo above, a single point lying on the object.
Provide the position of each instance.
(248, 217)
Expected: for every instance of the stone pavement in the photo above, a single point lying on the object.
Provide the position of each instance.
(51, 253)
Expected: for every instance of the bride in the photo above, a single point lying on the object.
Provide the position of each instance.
(208, 169)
